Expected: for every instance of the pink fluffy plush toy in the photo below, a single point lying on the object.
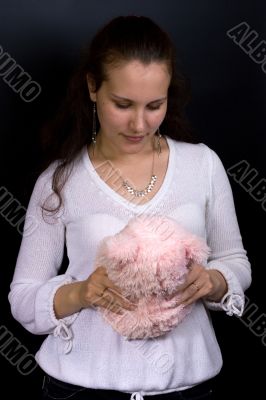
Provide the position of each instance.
(148, 260)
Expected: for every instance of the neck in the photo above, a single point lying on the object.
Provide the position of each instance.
(106, 150)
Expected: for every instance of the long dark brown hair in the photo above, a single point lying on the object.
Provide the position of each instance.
(123, 39)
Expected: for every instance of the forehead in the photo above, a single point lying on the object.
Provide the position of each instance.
(135, 80)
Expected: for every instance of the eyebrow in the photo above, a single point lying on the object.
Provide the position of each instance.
(125, 99)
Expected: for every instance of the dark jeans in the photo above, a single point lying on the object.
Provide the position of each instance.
(55, 389)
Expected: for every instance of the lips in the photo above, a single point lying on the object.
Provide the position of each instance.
(134, 139)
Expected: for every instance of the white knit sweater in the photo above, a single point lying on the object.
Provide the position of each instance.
(83, 349)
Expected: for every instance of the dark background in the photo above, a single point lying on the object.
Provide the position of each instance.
(45, 37)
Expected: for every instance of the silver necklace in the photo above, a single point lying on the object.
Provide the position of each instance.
(148, 188)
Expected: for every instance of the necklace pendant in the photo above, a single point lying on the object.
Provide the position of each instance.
(141, 193)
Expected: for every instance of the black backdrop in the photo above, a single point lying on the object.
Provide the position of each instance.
(44, 38)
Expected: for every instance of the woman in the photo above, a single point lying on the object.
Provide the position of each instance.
(139, 158)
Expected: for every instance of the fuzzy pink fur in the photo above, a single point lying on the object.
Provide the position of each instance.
(148, 260)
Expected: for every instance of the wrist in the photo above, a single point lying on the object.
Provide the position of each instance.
(74, 298)
(220, 286)
(66, 300)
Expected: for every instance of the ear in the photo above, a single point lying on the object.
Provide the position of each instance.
(91, 87)
(196, 249)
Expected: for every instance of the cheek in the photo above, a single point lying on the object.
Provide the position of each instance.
(157, 117)
(108, 115)
(116, 117)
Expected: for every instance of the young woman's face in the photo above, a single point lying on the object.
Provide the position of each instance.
(132, 103)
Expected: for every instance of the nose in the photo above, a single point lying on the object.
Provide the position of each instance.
(138, 122)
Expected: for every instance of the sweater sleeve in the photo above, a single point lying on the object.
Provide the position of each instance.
(223, 236)
(36, 278)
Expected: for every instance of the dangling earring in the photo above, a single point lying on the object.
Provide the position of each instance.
(159, 149)
(93, 127)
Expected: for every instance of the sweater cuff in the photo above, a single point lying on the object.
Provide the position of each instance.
(59, 327)
(233, 301)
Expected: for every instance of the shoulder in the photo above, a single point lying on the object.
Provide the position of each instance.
(46, 176)
(43, 191)
(71, 170)
(192, 151)
(199, 157)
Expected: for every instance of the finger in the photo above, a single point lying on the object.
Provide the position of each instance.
(180, 289)
(104, 281)
(107, 283)
(118, 299)
(100, 287)
(101, 270)
(113, 287)
(98, 292)
(117, 291)
(120, 296)
(96, 287)
(106, 300)
(198, 295)
(107, 305)
(201, 293)
(103, 290)
(113, 306)
(192, 293)
(192, 276)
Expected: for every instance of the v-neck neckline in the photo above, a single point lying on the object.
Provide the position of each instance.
(122, 200)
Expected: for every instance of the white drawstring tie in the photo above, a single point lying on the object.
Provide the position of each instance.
(137, 396)
(65, 333)
(233, 304)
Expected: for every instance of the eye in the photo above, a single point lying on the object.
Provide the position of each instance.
(122, 106)
(151, 108)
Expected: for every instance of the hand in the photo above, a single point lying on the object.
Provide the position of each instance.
(201, 283)
(99, 291)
